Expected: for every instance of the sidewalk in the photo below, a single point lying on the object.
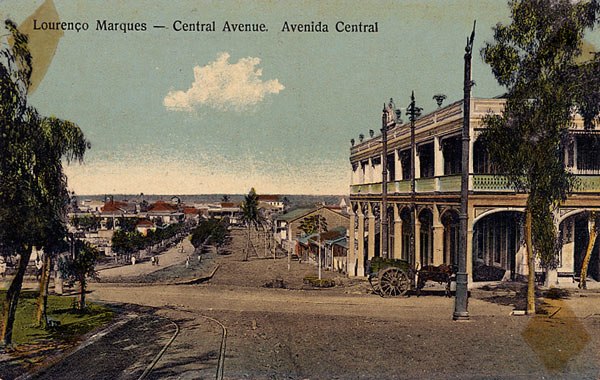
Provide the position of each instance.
(170, 257)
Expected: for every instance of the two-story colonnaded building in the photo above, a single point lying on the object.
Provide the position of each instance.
(495, 242)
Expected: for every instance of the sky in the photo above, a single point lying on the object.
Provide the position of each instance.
(171, 112)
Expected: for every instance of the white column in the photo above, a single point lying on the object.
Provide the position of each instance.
(438, 158)
(417, 164)
(360, 259)
(438, 238)
(397, 234)
(371, 237)
(398, 161)
(351, 258)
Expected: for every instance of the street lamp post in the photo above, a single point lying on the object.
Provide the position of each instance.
(389, 118)
(414, 112)
(461, 300)
(384, 182)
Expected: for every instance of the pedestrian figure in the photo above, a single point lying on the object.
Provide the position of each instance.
(187, 262)
(38, 269)
(132, 260)
(156, 260)
(152, 260)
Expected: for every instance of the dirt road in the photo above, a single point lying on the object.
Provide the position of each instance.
(344, 333)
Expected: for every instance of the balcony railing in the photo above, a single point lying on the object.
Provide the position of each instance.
(425, 185)
(479, 183)
(587, 184)
(489, 182)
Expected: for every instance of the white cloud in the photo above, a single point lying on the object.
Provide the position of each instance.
(224, 86)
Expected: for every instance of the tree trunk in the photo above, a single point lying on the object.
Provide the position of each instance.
(12, 298)
(530, 264)
(41, 316)
(246, 251)
(82, 284)
(588, 251)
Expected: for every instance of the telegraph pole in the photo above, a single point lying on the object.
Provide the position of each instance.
(461, 300)
(414, 112)
(384, 183)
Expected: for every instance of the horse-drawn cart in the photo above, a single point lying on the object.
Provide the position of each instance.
(393, 277)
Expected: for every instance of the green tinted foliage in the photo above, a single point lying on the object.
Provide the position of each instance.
(250, 213)
(536, 58)
(313, 224)
(82, 264)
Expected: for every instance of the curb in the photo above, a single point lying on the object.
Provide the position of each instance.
(198, 280)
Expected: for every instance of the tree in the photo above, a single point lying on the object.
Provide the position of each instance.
(126, 243)
(316, 223)
(33, 194)
(252, 217)
(79, 266)
(535, 58)
(593, 226)
(313, 224)
(219, 236)
(201, 234)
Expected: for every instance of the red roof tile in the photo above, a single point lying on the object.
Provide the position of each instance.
(162, 206)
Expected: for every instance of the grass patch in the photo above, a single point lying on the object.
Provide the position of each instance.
(315, 282)
(60, 308)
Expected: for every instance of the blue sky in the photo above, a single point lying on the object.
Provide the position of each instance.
(272, 110)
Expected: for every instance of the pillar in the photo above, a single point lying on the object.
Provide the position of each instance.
(371, 237)
(351, 258)
(470, 224)
(360, 259)
(417, 164)
(397, 253)
(398, 165)
(438, 159)
(438, 238)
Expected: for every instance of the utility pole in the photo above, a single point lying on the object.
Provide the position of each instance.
(414, 112)
(384, 183)
(461, 300)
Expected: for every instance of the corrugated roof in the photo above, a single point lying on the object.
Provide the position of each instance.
(295, 214)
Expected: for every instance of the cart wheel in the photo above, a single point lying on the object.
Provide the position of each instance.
(374, 281)
(393, 282)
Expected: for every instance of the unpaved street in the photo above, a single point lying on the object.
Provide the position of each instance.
(346, 333)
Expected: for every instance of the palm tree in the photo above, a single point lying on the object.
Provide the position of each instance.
(33, 193)
(251, 217)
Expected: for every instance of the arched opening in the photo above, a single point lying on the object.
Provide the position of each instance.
(574, 236)
(451, 235)
(496, 245)
(426, 237)
(390, 228)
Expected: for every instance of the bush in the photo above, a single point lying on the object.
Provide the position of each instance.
(315, 282)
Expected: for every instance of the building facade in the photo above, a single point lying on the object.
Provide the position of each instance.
(422, 212)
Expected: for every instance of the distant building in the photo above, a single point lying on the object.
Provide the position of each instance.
(272, 202)
(287, 226)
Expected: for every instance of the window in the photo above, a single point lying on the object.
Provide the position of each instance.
(588, 153)
(405, 159)
(452, 151)
(391, 167)
(481, 159)
(426, 159)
